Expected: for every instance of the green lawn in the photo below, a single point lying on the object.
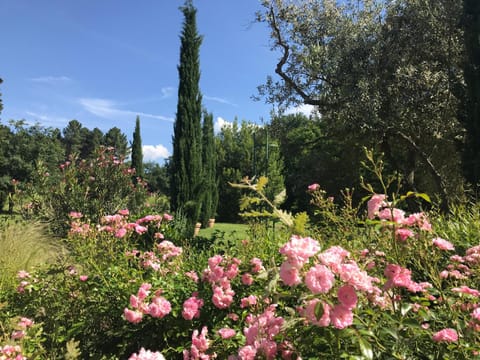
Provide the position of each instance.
(232, 231)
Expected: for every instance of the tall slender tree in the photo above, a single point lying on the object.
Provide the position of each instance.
(471, 115)
(209, 161)
(1, 104)
(187, 154)
(137, 155)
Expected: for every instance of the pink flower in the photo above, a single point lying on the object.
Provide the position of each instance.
(160, 307)
(120, 233)
(376, 202)
(319, 279)
(132, 316)
(289, 274)
(191, 308)
(192, 275)
(124, 212)
(247, 352)
(75, 215)
(146, 355)
(248, 301)
(226, 333)
(309, 313)
(298, 250)
(247, 279)
(17, 334)
(347, 296)
(476, 314)
(443, 244)
(403, 234)
(222, 298)
(466, 290)
(25, 322)
(167, 217)
(313, 187)
(341, 316)
(83, 277)
(22, 274)
(257, 265)
(445, 335)
(333, 257)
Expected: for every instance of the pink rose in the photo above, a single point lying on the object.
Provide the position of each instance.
(445, 335)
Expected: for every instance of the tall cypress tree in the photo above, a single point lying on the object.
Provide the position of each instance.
(471, 154)
(209, 160)
(137, 155)
(186, 159)
(1, 104)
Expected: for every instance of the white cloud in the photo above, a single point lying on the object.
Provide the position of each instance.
(219, 100)
(47, 119)
(50, 79)
(167, 91)
(109, 110)
(154, 152)
(220, 123)
(304, 109)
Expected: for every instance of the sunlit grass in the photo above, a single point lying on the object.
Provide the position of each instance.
(233, 231)
(23, 245)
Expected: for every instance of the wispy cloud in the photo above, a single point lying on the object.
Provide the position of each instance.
(50, 79)
(219, 100)
(155, 152)
(109, 110)
(47, 119)
(165, 93)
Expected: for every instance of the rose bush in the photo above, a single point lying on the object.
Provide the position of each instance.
(386, 286)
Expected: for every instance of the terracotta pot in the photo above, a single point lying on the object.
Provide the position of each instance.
(211, 223)
(197, 229)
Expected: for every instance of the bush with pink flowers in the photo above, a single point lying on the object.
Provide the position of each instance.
(371, 282)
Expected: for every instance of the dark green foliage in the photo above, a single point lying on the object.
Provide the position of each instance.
(73, 138)
(471, 106)
(1, 103)
(209, 161)
(186, 164)
(137, 154)
(243, 150)
(116, 139)
(156, 176)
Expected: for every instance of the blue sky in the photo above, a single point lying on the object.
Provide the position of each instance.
(102, 62)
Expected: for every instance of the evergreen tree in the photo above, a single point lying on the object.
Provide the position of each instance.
(471, 116)
(209, 161)
(1, 104)
(186, 158)
(118, 140)
(137, 155)
(73, 138)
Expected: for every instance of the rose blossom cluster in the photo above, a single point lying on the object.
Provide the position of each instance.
(159, 307)
(119, 226)
(377, 206)
(260, 335)
(191, 307)
(400, 277)
(200, 345)
(11, 352)
(321, 277)
(219, 273)
(22, 326)
(165, 251)
(146, 355)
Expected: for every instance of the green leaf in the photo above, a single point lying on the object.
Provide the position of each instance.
(365, 348)
(405, 308)
(318, 311)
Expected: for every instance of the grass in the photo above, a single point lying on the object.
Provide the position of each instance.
(23, 245)
(232, 231)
